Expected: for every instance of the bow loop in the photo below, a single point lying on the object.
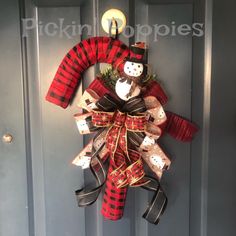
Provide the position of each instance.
(136, 123)
(102, 118)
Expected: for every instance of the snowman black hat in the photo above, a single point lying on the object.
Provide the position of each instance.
(138, 53)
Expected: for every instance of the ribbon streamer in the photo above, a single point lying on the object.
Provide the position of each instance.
(158, 203)
(87, 196)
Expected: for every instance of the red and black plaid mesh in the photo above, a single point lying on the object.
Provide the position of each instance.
(114, 198)
(180, 128)
(155, 89)
(78, 59)
(98, 86)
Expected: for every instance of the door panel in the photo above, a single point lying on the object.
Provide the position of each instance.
(54, 137)
(13, 159)
(61, 141)
(222, 184)
(91, 13)
(55, 140)
(171, 59)
(37, 179)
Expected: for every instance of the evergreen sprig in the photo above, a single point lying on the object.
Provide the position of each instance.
(110, 76)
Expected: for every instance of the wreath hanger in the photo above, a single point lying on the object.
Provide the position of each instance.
(112, 25)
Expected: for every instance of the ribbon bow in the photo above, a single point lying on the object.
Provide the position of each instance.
(125, 125)
(129, 166)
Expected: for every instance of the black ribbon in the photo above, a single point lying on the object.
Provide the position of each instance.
(88, 195)
(158, 203)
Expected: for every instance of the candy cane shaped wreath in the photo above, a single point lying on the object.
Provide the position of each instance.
(113, 51)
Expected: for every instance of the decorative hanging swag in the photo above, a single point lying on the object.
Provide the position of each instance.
(123, 106)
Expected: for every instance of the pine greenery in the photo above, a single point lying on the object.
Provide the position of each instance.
(110, 76)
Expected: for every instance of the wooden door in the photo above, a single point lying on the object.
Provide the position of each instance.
(14, 158)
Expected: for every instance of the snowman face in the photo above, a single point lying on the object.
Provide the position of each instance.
(148, 141)
(157, 161)
(82, 126)
(123, 88)
(133, 69)
(84, 162)
(92, 106)
(161, 113)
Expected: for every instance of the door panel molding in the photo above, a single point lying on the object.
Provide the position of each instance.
(27, 118)
(201, 109)
(206, 116)
(58, 3)
(177, 187)
(14, 215)
(32, 59)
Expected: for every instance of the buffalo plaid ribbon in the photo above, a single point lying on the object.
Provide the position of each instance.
(83, 55)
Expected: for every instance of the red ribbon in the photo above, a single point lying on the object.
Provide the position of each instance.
(129, 166)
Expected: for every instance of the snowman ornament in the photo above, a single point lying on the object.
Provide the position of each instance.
(83, 161)
(127, 86)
